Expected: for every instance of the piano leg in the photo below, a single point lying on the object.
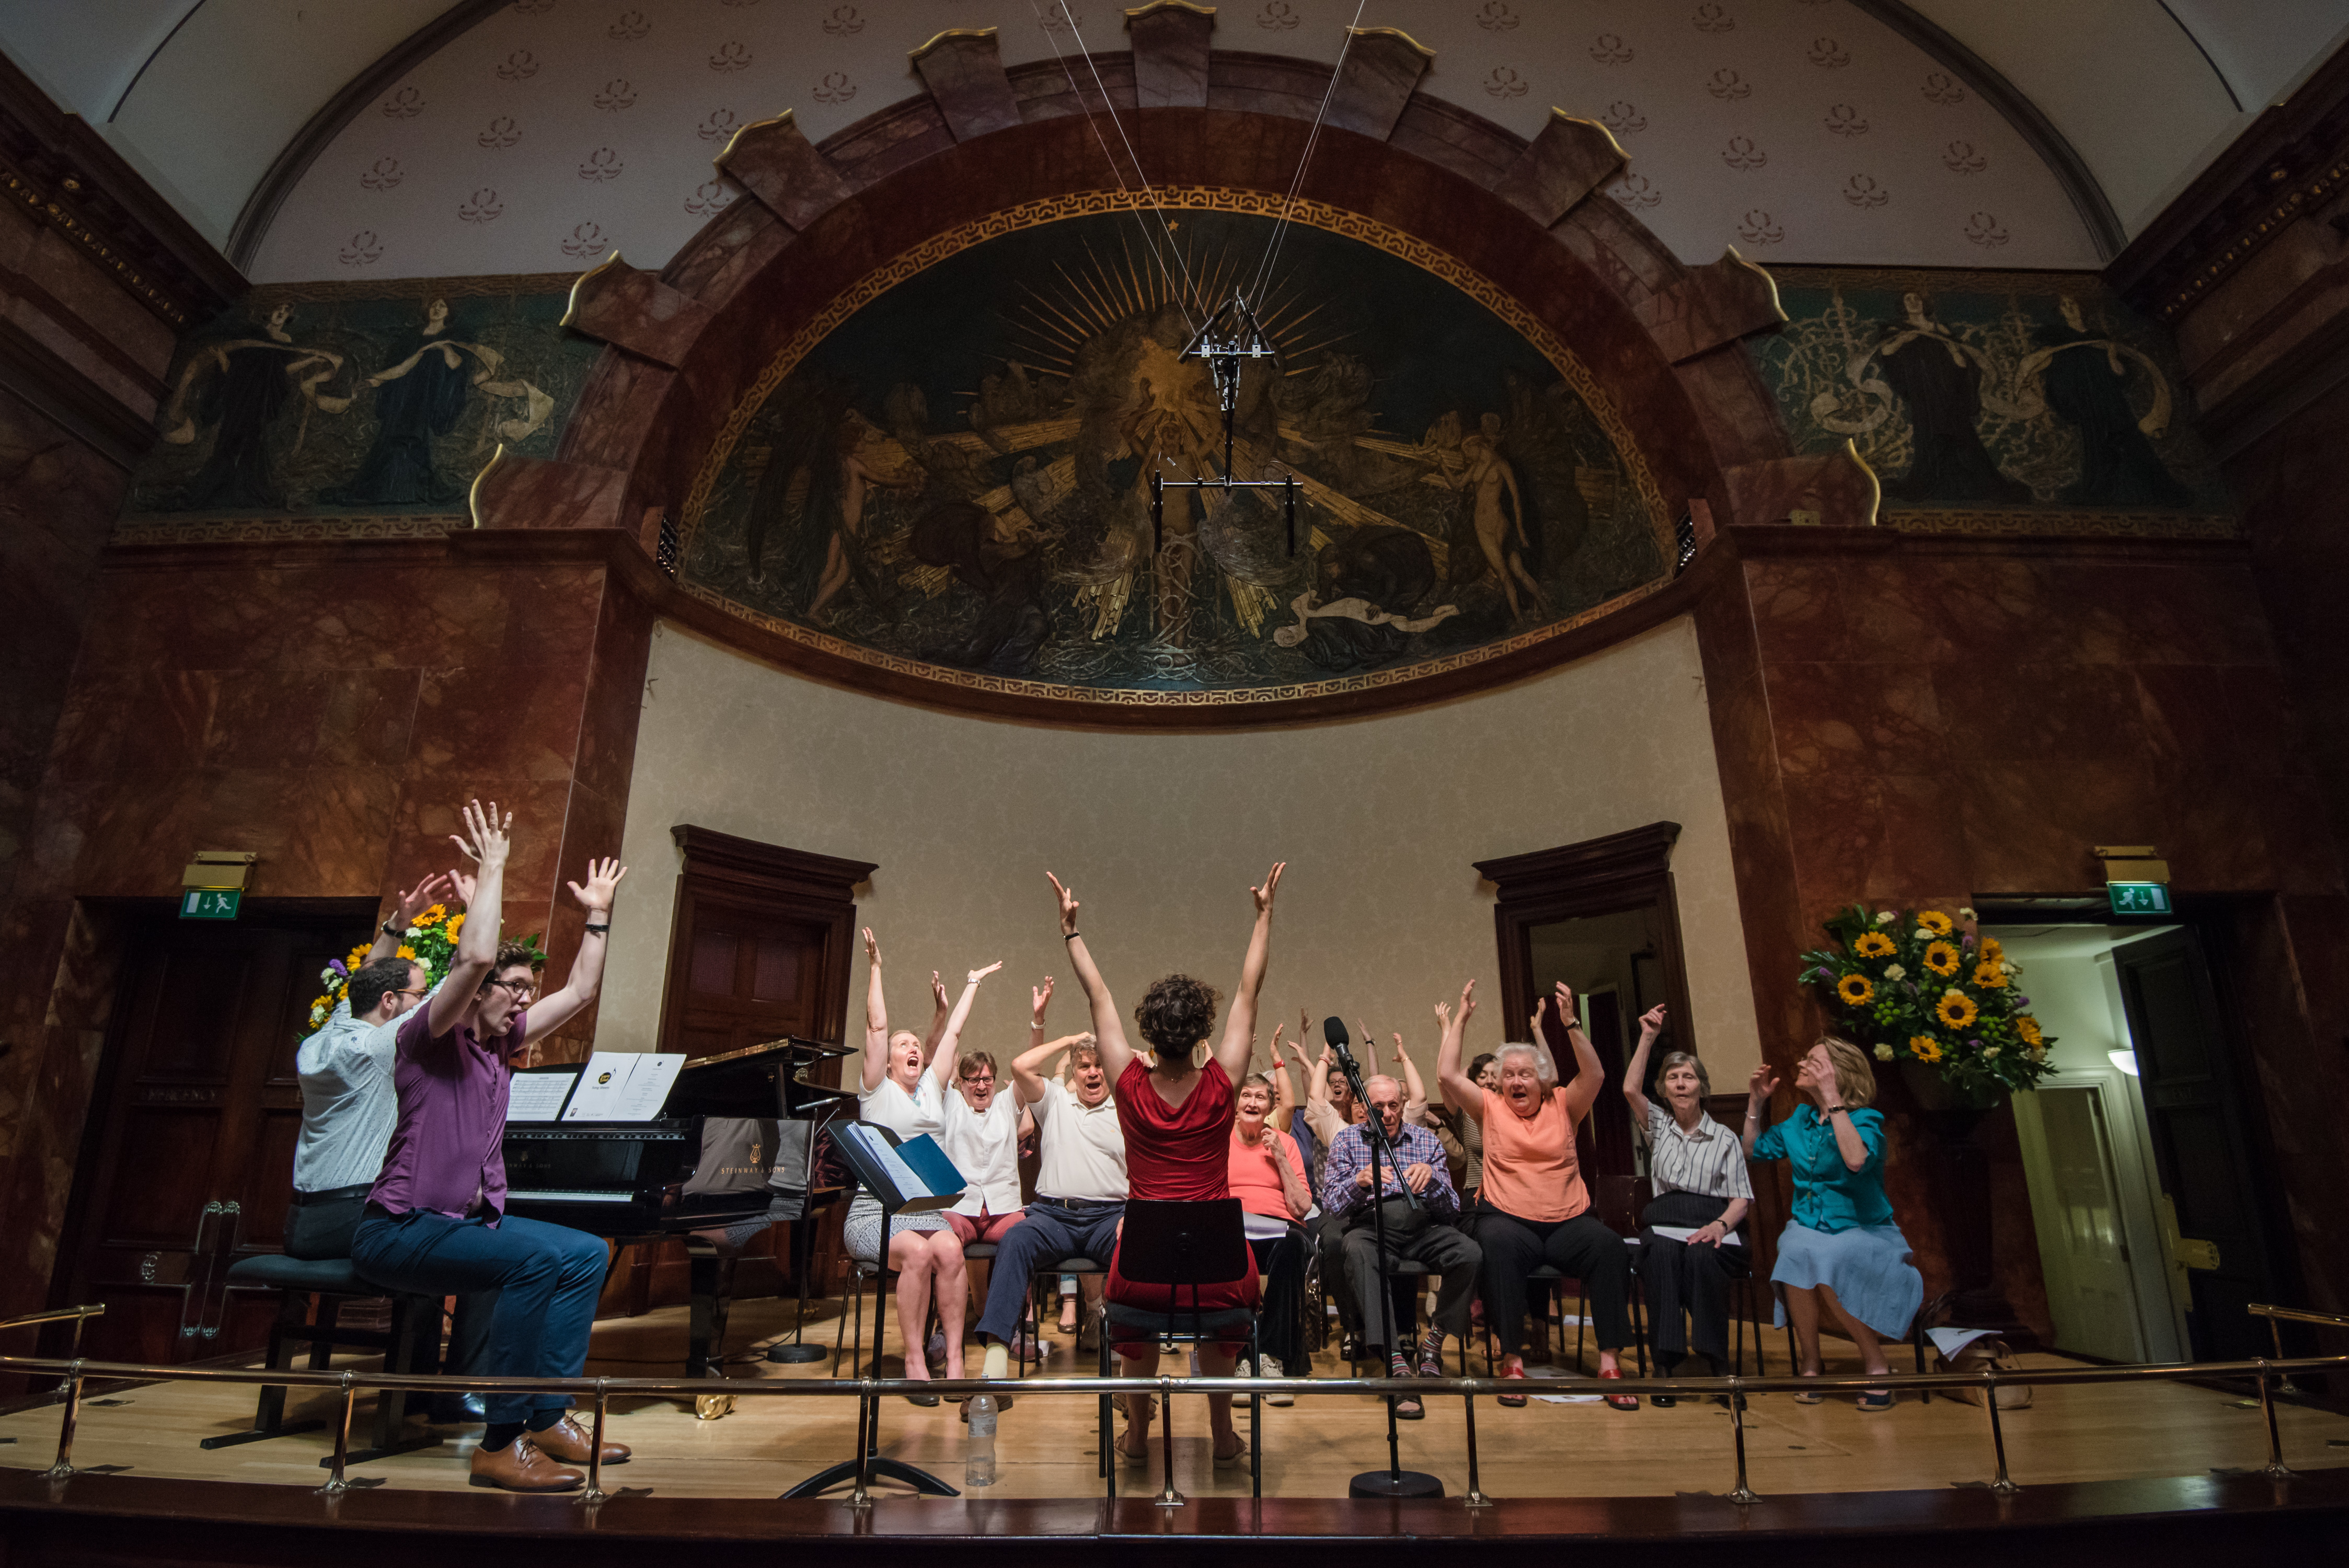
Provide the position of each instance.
(712, 1286)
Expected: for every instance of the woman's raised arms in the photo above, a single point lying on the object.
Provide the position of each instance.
(1109, 1029)
(1239, 1025)
(1458, 1087)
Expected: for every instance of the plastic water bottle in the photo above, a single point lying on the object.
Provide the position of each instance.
(978, 1468)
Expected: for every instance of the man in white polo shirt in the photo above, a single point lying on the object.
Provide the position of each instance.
(1080, 1183)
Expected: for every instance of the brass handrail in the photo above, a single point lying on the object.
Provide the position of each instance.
(870, 1391)
(55, 1314)
(2278, 1317)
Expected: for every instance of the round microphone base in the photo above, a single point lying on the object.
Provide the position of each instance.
(1394, 1483)
(796, 1355)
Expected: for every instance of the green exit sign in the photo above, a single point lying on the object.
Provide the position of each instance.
(210, 902)
(2138, 898)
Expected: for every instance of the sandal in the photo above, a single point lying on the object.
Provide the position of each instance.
(1236, 1457)
(1808, 1398)
(1133, 1460)
(1876, 1399)
(1514, 1371)
(1618, 1401)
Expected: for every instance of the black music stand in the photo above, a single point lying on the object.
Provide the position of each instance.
(874, 1175)
(1176, 1245)
(798, 1353)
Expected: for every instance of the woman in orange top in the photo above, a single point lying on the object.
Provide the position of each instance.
(1533, 1208)
(1267, 1176)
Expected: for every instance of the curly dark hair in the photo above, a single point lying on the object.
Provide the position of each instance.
(1176, 1012)
(511, 955)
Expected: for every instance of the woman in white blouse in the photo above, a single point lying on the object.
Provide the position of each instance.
(905, 1090)
(1689, 1246)
(985, 1127)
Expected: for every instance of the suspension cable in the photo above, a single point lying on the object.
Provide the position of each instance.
(1281, 226)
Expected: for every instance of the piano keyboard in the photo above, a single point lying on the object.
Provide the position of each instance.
(556, 1195)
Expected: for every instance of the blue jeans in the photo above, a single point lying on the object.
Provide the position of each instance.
(547, 1277)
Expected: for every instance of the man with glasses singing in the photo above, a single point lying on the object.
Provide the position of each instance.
(435, 1222)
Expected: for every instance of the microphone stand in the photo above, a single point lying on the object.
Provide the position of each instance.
(1394, 1481)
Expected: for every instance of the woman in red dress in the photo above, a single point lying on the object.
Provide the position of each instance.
(1177, 1119)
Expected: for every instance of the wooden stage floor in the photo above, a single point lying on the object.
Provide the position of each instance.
(1311, 1449)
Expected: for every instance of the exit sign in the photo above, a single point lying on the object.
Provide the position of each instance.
(210, 902)
(2138, 898)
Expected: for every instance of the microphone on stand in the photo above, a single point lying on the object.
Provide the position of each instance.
(1333, 1030)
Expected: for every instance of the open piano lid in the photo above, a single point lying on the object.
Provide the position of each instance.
(769, 1080)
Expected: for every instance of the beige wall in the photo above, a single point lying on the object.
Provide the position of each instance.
(1381, 912)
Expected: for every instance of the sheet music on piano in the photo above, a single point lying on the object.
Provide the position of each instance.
(623, 1086)
(537, 1093)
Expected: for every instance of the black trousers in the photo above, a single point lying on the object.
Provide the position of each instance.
(1581, 1248)
(1682, 1278)
(1444, 1250)
(1281, 1325)
(1328, 1235)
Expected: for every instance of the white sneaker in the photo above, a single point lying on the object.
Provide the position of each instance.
(1270, 1399)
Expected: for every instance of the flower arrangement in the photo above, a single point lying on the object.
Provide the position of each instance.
(431, 940)
(1915, 986)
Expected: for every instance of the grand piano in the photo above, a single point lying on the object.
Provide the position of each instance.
(727, 1156)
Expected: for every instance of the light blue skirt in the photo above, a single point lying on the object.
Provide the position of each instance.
(1867, 1267)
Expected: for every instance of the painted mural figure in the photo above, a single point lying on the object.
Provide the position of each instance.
(2086, 381)
(843, 555)
(419, 399)
(239, 389)
(1939, 379)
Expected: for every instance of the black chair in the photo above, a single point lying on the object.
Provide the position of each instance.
(1619, 1201)
(1177, 1244)
(1032, 1332)
(410, 1344)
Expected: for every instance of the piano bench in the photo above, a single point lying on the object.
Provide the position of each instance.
(411, 1343)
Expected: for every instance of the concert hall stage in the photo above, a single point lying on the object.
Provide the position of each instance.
(2138, 1472)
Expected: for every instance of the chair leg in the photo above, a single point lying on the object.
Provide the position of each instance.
(840, 1329)
(1581, 1323)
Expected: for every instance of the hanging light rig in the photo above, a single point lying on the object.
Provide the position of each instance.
(1229, 335)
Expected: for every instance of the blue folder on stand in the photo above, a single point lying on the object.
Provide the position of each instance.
(911, 1177)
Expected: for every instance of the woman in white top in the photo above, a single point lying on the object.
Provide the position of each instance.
(986, 1125)
(905, 1091)
(1697, 1167)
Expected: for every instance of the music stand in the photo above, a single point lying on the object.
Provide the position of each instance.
(931, 1173)
(1177, 1243)
(798, 1352)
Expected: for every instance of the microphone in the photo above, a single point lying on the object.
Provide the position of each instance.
(1333, 1031)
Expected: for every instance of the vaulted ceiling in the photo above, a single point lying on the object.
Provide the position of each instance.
(330, 139)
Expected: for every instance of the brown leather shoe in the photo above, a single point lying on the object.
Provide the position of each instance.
(519, 1467)
(567, 1442)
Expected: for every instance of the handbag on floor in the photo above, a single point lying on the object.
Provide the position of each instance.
(1987, 1353)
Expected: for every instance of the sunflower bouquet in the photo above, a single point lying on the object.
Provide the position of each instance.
(431, 940)
(1918, 988)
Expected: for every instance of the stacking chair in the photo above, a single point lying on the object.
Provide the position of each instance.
(410, 1344)
(1031, 1331)
(1619, 1201)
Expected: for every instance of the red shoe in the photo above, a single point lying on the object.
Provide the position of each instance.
(1619, 1401)
(1514, 1371)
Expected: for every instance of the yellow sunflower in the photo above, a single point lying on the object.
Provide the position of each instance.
(1986, 974)
(1941, 958)
(1924, 1047)
(1934, 921)
(1855, 990)
(456, 924)
(407, 952)
(2028, 1027)
(1957, 1009)
(1991, 950)
(1873, 945)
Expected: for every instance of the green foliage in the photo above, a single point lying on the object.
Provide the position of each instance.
(1916, 984)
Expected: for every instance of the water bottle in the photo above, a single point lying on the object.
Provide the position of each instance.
(978, 1468)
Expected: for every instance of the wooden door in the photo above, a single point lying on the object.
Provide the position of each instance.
(2202, 1148)
(192, 1159)
(750, 976)
(2082, 1240)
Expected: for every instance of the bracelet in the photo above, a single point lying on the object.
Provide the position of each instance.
(389, 930)
(1070, 935)
(597, 930)
(1038, 1025)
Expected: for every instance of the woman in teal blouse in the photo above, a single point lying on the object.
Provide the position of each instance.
(1841, 1251)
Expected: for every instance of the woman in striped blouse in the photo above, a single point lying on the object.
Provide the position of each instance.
(1689, 1248)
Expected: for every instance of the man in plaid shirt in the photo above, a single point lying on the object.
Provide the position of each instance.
(1419, 1235)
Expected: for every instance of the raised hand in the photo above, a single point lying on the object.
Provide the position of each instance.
(602, 885)
(1567, 1014)
(419, 898)
(1068, 905)
(1277, 1028)
(484, 839)
(1467, 1003)
(1263, 895)
(1651, 1022)
(872, 948)
(938, 992)
(1443, 1014)
(1763, 1084)
(464, 886)
(1400, 1054)
(976, 976)
(1041, 997)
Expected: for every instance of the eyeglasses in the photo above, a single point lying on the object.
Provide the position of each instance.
(520, 990)
(422, 993)
(979, 1079)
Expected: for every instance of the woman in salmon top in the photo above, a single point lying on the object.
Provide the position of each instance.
(1267, 1174)
(1177, 1119)
(1533, 1208)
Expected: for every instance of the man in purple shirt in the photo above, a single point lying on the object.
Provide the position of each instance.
(435, 1224)
(1419, 1233)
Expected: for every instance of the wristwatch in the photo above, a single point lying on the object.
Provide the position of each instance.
(388, 929)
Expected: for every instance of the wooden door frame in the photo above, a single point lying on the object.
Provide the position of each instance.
(1610, 875)
(788, 884)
